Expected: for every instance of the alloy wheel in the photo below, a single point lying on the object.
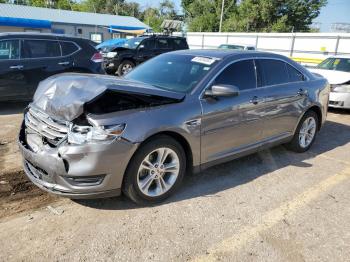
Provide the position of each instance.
(307, 132)
(126, 68)
(158, 172)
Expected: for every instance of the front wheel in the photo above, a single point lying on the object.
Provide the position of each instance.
(125, 67)
(305, 133)
(155, 171)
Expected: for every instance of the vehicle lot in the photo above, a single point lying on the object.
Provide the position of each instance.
(275, 205)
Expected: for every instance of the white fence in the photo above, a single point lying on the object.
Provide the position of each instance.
(302, 47)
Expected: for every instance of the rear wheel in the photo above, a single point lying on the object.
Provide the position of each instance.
(125, 67)
(155, 171)
(305, 134)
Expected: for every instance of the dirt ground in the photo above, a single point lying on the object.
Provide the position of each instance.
(17, 193)
(275, 205)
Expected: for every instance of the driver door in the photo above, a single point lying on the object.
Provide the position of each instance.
(145, 50)
(231, 125)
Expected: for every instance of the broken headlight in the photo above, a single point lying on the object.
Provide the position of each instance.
(91, 134)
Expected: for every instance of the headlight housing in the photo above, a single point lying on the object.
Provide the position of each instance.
(111, 54)
(94, 135)
(344, 88)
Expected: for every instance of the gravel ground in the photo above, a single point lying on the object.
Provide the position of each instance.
(272, 206)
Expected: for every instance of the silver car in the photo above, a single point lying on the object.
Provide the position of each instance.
(88, 136)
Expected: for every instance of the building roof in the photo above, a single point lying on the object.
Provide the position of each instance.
(70, 17)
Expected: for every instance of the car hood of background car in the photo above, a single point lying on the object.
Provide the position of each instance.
(63, 96)
(334, 77)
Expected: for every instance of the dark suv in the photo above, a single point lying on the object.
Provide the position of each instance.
(28, 58)
(136, 50)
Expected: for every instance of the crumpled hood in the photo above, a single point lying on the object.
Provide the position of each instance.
(63, 96)
(334, 77)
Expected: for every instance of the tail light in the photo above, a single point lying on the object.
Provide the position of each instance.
(97, 58)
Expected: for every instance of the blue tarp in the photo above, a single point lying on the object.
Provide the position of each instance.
(113, 28)
(112, 42)
(23, 22)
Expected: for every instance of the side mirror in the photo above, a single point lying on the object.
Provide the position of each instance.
(141, 47)
(222, 90)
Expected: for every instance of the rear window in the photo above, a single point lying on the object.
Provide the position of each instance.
(180, 44)
(68, 47)
(294, 75)
(9, 49)
(41, 49)
(273, 72)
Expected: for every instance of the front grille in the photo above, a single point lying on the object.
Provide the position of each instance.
(51, 130)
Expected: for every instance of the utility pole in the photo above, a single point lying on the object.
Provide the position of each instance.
(222, 14)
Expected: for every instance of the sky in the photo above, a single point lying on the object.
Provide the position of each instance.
(334, 11)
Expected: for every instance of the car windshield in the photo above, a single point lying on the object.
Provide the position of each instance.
(338, 64)
(174, 72)
(235, 47)
(133, 43)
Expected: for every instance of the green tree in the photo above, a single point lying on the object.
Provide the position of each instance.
(152, 17)
(167, 9)
(252, 15)
(204, 15)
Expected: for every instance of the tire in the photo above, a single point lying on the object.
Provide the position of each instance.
(110, 71)
(122, 70)
(163, 183)
(297, 144)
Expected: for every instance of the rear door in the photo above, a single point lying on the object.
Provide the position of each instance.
(163, 45)
(66, 61)
(13, 84)
(285, 93)
(42, 59)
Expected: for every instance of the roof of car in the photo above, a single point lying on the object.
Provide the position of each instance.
(235, 44)
(155, 35)
(223, 53)
(34, 34)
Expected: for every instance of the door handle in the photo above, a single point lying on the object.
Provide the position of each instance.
(302, 92)
(254, 100)
(64, 63)
(16, 67)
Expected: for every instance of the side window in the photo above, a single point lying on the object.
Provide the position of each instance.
(294, 75)
(41, 49)
(163, 43)
(148, 43)
(68, 48)
(179, 44)
(9, 49)
(240, 74)
(274, 72)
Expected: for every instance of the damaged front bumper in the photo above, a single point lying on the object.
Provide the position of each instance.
(77, 171)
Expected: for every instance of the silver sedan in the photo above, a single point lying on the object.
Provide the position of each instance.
(87, 136)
